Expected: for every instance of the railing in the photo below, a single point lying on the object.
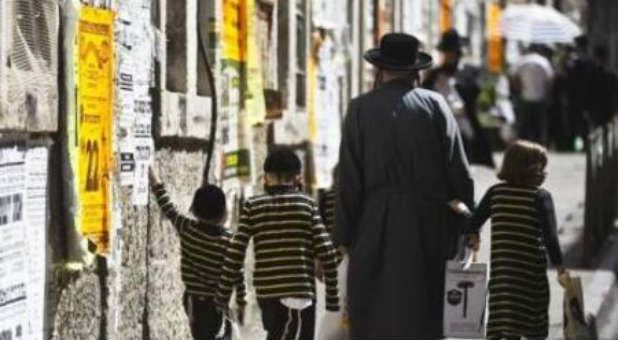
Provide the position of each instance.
(601, 205)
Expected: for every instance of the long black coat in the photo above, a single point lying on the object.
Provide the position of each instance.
(401, 161)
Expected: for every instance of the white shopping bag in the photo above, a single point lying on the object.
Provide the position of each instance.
(465, 296)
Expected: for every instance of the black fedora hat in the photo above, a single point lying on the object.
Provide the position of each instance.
(450, 41)
(399, 52)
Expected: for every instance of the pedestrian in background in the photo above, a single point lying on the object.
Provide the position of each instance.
(460, 86)
(401, 160)
(523, 230)
(203, 243)
(579, 68)
(602, 90)
(533, 78)
(288, 235)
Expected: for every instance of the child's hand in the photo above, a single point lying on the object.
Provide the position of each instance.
(563, 277)
(459, 207)
(240, 314)
(154, 175)
(473, 241)
(319, 271)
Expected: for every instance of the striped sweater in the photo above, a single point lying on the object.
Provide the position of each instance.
(202, 249)
(523, 231)
(327, 209)
(288, 235)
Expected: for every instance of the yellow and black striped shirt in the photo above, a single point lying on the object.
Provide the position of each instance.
(202, 250)
(288, 236)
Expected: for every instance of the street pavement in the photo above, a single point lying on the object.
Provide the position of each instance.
(566, 182)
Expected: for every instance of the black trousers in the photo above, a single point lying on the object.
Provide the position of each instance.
(205, 319)
(533, 122)
(281, 322)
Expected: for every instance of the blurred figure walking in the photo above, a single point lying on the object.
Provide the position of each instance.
(461, 89)
(533, 78)
(578, 71)
(602, 92)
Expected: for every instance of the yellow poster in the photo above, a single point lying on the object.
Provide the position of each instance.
(95, 62)
(312, 64)
(254, 97)
(495, 48)
(233, 30)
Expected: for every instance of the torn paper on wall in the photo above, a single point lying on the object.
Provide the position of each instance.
(144, 152)
(126, 161)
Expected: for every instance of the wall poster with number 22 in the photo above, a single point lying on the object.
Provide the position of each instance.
(94, 122)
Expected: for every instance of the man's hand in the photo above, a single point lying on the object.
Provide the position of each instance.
(154, 175)
(460, 208)
(342, 250)
(473, 241)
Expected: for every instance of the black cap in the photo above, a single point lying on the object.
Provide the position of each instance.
(209, 203)
(282, 160)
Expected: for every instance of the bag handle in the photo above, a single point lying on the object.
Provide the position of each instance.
(471, 258)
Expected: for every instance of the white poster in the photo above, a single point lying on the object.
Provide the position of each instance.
(134, 37)
(125, 87)
(144, 151)
(36, 216)
(13, 265)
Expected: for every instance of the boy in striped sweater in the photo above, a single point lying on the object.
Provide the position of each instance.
(203, 242)
(288, 236)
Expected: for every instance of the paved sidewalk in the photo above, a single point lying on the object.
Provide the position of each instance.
(566, 183)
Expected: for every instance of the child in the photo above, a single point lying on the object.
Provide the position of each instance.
(523, 229)
(203, 242)
(287, 234)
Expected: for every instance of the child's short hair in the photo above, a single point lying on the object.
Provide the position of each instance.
(209, 203)
(283, 162)
(524, 164)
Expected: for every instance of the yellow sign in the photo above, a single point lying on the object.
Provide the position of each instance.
(95, 60)
(495, 48)
(255, 105)
(234, 30)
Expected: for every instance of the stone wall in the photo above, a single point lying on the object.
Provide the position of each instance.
(142, 298)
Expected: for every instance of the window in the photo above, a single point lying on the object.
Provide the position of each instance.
(266, 43)
(31, 34)
(176, 56)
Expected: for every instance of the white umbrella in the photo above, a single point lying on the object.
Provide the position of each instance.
(537, 24)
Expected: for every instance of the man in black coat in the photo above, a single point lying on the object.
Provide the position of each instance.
(401, 161)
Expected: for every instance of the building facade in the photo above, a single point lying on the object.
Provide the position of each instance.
(202, 87)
